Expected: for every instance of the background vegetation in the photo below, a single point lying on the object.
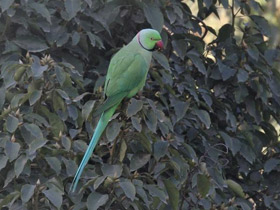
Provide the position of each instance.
(202, 135)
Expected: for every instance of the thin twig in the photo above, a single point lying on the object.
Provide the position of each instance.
(203, 24)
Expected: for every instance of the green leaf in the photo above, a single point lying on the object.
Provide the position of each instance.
(72, 7)
(54, 196)
(235, 187)
(56, 124)
(180, 108)
(241, 93)
(19, 164)
(160, 149)
(153, 15)
(173, 193)
(66, 142)
(162, 60)
(95, 200)
(54, 163)
(190, 152)
(225, 70)
(95, 40)
(129, 189)
(9, 199)
(113, 130)
(16, 100)
(5, 4)
(204, 117)
(151, 120)
(247, 152)
(203, 184)
(99, 181)
(133, 107)
(122, 150)
(71, 167)
(114, 171)
(180, 47)
(27, 192)
(3, 161)
(33, 136)
(2, 97)
(36, 67)
(225, 32)
(139, 160)
(63, 94)
(197, 62)
(60, 74)
(31, 43)
(42, 10)
(12, 123)
(253, 51)
(72, 111)
(34, 131)
(232, 143)
(155, 191)
(87, 108)
(271, 164)
(9, 177)
(12, 150)
(75, 38)
(36, 144)
(262, 24)
(136, 122)
(35, 96)
(242, 75)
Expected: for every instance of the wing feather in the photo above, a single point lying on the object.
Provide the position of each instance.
(125, 74)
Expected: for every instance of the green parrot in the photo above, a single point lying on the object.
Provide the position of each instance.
(125, 77)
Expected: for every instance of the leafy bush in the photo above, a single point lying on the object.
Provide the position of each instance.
(202, 134)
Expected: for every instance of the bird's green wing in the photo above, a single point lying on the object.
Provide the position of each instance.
(126, 75)
(110, 101)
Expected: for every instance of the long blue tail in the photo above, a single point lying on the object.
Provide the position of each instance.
(102, 123)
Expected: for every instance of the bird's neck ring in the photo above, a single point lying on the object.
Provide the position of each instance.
(139, 41)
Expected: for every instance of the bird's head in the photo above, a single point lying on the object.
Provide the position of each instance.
(150, 39)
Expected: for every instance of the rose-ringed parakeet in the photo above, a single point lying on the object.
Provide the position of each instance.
(126, 76)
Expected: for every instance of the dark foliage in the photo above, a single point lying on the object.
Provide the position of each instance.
(202, 135)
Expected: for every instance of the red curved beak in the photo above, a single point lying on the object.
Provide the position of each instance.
(159, 45)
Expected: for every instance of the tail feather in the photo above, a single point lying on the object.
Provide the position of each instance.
(102, 123)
